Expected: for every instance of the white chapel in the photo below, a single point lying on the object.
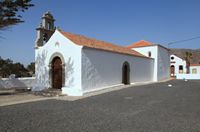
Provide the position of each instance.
(77, 64)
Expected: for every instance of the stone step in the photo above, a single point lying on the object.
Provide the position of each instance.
(49, 92)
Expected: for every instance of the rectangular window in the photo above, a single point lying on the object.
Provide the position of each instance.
(194, 71)
(181, 69)
(149, 54)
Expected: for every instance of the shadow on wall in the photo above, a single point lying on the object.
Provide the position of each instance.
(2, 84)
(90, 75)
(42, 74)
(163, 66)
(69, 70)
(16, 83)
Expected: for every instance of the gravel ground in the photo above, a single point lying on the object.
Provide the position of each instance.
(149, 108)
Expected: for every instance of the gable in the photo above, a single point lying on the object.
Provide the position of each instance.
(176, 58)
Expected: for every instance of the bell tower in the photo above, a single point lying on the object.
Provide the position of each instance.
(45, 29)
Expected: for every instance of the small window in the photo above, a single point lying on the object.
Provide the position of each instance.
(172, 58)
(149, 54)
(180, 69)
(194, 71)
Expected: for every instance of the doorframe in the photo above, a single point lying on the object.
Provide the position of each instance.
(56, 54)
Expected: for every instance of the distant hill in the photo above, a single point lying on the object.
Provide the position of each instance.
(181, 53)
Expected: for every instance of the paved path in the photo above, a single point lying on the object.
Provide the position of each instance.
(149, 108)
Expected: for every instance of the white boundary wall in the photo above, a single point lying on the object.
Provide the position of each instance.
(195, 67)
(188, 76)
(27, 82)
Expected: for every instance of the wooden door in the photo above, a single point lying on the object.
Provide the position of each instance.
(172, 71)
(57, 73)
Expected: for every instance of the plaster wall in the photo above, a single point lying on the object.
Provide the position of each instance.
(154, 54)
(69, 53)
(103, 69)
(163, 64)
(161, 58)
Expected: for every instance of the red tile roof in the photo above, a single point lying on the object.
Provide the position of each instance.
(141, 43)
(96, 44)
(194, 64)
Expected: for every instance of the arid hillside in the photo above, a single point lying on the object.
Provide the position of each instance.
(182, 53)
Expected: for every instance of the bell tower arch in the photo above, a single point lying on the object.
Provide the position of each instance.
(45, 29)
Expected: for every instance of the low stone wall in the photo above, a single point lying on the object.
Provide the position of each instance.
(27, 82)
(188, 76)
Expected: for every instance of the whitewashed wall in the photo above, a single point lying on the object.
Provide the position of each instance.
(154, 54)
(103, 69)
(191, 75)
(195, 67)
(26, 82)
(176, 62)
(163, 63)
(70, 54)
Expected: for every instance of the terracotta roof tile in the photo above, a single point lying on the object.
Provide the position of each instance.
(93, 43)
(194, 64)
(141, 43)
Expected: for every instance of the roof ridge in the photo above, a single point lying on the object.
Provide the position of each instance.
(141, 43)
(99, 44)
(196, 64)
(94, 39)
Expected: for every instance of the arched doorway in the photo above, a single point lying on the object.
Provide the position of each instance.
(57, 73)
(126, 73)
(172, 71)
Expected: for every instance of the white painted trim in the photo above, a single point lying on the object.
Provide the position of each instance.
(72, 91)
(21, 78)
(102, 88)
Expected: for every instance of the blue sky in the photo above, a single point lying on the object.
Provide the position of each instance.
(121, 22)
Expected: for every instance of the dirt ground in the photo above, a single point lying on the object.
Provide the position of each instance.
(11, 96)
